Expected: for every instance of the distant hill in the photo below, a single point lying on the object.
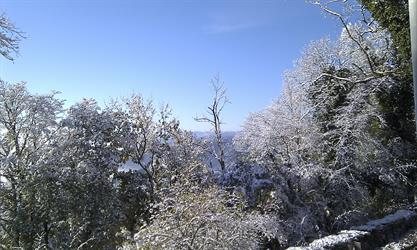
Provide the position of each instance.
(205, 134)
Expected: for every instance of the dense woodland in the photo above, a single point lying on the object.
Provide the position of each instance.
(335, 149)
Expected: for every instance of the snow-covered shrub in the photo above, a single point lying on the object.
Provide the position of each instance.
(201, 218)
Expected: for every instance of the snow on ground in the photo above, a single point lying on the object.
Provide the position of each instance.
(332, 241)
(375, 224)
(357, 234)
(343, 237)
(407, 242)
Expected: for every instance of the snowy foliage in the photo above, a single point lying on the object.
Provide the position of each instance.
(262, 141)
(323, 157)
(10, 38)
(207, 219)
(326, 135)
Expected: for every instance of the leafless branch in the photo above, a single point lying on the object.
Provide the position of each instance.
(10, 38)
(213, 117)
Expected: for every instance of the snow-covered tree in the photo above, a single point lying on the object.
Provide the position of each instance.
(88, 162)
(10, 37)
(327, 134)
(28, 124)
(283, 133)
(205, 219)
(147, 136)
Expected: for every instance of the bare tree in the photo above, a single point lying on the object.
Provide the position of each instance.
(213, 118)
(10, 38)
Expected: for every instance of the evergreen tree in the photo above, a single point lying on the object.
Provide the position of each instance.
(397, 103)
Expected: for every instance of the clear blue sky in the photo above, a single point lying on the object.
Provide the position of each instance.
(166, 50)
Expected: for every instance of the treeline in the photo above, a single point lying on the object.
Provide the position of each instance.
(335, 149)
(61, 188)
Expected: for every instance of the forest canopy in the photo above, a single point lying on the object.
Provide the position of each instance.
(127, 176)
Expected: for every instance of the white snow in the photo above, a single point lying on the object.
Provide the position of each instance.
(346, 236)
(399, 215)
(356, 233)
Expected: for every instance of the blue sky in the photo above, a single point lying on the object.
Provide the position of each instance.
(166, 50)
